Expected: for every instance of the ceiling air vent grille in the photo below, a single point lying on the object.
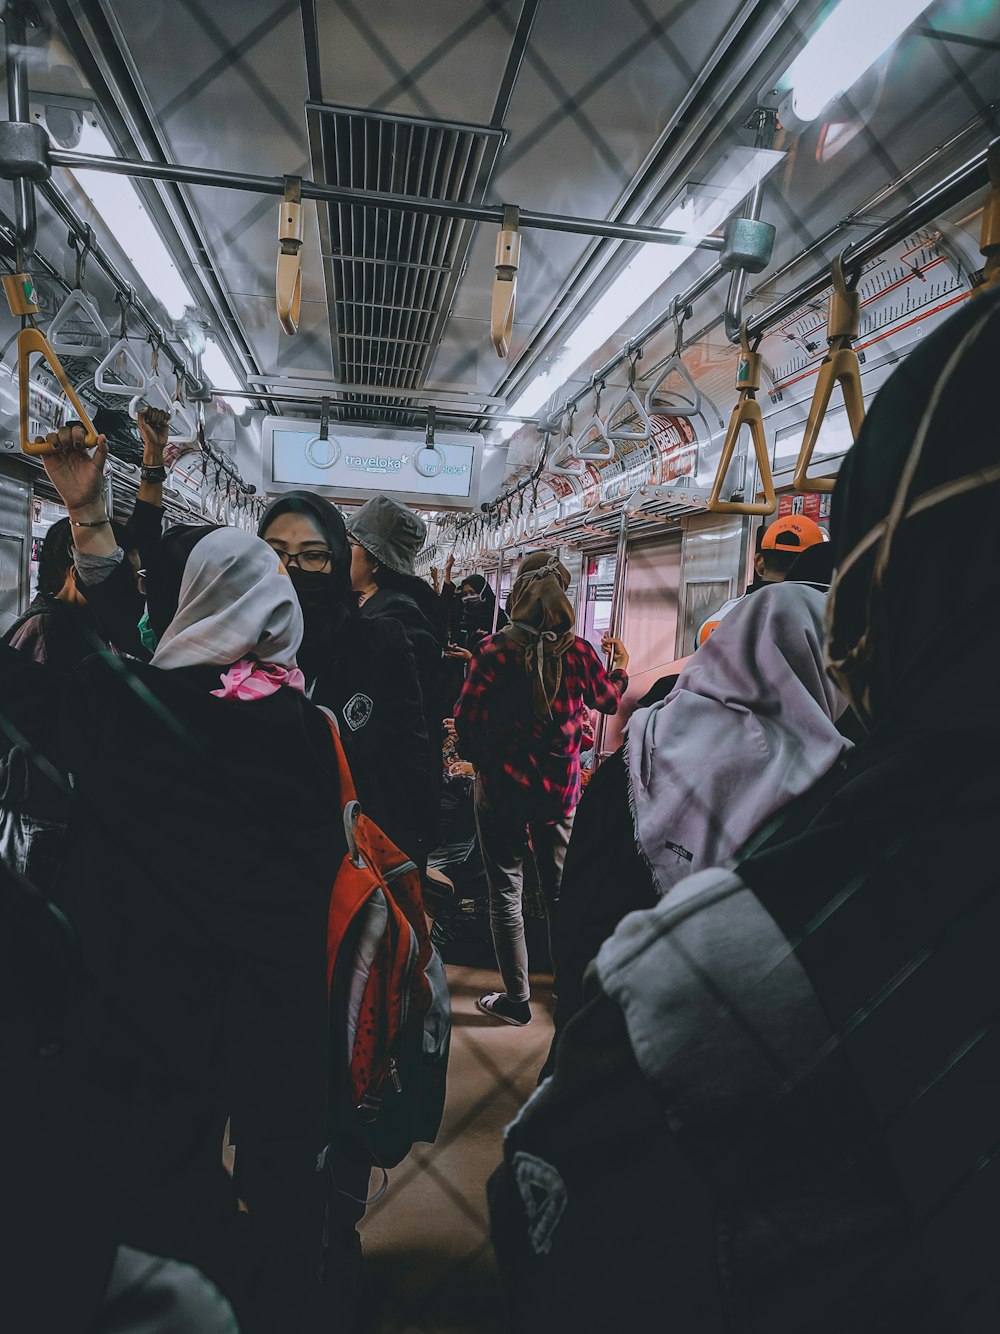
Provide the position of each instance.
(391, 275)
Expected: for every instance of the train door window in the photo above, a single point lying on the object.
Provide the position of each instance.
(15, 547)
(11, 579)
(702, 597)
(599, 587)
(835, 439)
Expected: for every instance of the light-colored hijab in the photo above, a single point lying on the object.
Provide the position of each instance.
(237, 605)
(542, 624)
(748, 726)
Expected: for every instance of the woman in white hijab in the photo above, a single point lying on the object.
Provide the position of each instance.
(748, 727)
(750, 724)
(237, 609)
(203, 843)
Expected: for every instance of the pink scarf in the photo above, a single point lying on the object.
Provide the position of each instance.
(256, 680)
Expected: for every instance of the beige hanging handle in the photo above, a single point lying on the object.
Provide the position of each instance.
(29, 341)
(840, 365)
(508, 259)
(989, 236)
(746, 413)
(288, 281)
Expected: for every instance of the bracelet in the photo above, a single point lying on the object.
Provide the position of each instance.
(89, 523)
(150, 472)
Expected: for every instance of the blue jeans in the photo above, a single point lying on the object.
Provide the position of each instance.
(503, 840)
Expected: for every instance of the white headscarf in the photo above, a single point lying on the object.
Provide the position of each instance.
(748, 726)
(236, 602)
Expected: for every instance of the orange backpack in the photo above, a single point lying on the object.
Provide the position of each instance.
(390, 1013)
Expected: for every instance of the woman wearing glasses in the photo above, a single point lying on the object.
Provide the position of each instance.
(362, 668)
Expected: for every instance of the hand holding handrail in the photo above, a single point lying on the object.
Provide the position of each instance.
(745, 413)
(508, 258)
(31, 340)
(840, 364)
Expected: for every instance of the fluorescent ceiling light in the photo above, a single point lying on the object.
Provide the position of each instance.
(218, 367)
(699, 214)
(121, 208)
(846, 44)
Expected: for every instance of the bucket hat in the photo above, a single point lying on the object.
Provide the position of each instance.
(391, 532)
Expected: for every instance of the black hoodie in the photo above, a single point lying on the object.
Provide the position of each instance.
(363, 669)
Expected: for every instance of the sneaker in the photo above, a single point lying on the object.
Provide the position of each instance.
(511, 1012)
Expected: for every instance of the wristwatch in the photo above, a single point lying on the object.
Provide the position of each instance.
(153, 473)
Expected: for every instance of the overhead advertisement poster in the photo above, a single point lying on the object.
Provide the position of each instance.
(352, 462)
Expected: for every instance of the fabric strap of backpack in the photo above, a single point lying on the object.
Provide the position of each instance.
(348, 792)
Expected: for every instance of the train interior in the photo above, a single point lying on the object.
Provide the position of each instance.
(528, 267)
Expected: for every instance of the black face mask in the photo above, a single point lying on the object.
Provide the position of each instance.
(312, 588)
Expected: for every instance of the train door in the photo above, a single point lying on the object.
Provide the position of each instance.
(649, 622)
(15, 544)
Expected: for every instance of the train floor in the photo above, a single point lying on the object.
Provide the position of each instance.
(429, 1266)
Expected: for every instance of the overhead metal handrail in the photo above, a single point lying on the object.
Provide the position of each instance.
(340, 194)
(29, 342)
(953, 190)
(745, 413)
(840, 365)
(508, 259)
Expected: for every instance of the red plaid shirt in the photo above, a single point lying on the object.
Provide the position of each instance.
(516, 754)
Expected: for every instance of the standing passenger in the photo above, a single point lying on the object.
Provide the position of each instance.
(199, 894)
(362, 668)
(385, 539)
(520, 722)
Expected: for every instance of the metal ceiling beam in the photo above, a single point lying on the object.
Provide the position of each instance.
(334, 194)
(311, 401)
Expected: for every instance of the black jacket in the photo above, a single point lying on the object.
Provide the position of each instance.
(425, 645)
(369, 679)
(203, 843)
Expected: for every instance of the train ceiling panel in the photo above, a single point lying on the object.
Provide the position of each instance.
(603, 108)
(444, 61)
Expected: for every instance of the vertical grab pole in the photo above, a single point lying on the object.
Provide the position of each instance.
(18, 109)
(496, 599)
(617, 619)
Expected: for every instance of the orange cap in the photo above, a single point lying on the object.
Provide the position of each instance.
(794, 532)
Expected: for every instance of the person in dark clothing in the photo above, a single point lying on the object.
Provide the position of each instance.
(385, 538)
(62, 1186)
(801, 1051)
(208, 950)
(360, 667)
(60, 627)
(479, 605)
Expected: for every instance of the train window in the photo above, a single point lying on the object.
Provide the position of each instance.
(600, 586)
(835, 439)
